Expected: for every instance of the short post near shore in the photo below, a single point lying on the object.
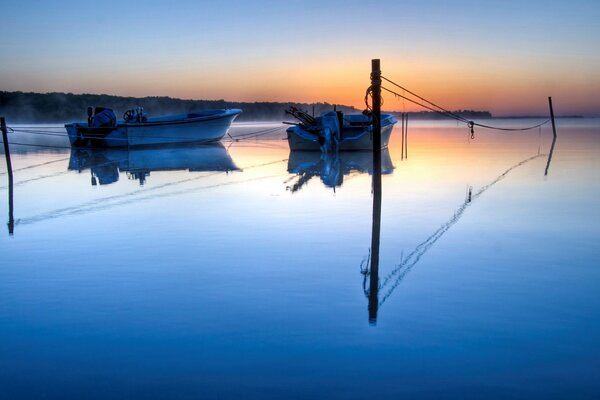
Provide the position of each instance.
(9, 172)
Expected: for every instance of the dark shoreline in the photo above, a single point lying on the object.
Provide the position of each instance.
(57, 107)
(22, 107)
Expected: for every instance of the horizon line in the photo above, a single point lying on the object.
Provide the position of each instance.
(582, 115)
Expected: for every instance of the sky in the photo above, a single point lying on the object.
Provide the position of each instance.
(503, 56)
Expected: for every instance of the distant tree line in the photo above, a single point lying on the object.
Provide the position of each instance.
(27, 107)
(22, 107)
(469, 114)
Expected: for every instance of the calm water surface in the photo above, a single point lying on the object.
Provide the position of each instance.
(243, 271)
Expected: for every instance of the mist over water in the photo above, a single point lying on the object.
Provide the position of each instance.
(36, 108)
(240, 270)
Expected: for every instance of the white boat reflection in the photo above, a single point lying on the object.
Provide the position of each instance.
(106, 164)
(332, 167)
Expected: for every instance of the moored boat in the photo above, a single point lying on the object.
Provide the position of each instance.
(334, 131)
(137, 129)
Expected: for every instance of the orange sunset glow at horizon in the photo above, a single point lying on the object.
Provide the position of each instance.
(487, 56)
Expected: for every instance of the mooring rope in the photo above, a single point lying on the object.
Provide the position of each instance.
(36, 165)
(37, 178)
(253, 135)
(244, 136)
(442, 111)
(58, 173)
(38, 132)
(38, 145)
(458, 117)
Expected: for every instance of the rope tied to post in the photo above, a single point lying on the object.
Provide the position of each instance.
(431, 106)
(368, 111)
(376, 77)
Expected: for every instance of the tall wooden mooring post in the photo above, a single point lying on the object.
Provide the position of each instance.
(376, 228)
(376, 116)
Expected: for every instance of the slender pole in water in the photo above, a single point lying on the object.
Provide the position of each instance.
(406, 137)
(552, 116)
(553, 138)
(11, 220)
(402, 156)
(376, 228)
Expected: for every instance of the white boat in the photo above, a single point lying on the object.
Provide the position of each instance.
(334, 131)
(107, 163)
(136, 129)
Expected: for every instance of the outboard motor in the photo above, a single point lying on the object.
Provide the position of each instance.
(330, 133)
(104, 118)
(327, 141)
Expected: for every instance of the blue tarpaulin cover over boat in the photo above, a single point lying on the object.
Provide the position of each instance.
(105, 118)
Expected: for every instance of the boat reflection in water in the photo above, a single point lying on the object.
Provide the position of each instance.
(105, 164)
(332, 167)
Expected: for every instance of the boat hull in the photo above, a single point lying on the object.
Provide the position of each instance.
(353, 138)
(186, 128)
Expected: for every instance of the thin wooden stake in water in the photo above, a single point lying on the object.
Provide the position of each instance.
(11, 220)
(553, 138)
(406, 137)
(402, 152)
(552, 116)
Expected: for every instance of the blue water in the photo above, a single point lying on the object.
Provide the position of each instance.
(235, 271)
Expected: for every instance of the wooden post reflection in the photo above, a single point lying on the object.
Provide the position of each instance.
(550, 155)
(404, 144)
(11, 219)
(375, 235)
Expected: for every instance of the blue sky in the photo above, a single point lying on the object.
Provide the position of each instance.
(468, 54)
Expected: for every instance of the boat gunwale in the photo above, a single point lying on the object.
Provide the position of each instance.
(226, 113)
(308, 134)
